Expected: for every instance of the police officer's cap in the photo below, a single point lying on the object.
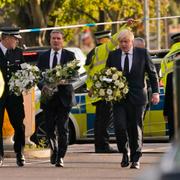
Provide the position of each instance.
(11, 31)
(102, 34)
(175, 36)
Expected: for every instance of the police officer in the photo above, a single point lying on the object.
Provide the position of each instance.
(168, 110)
(103, 108)
(10, 59)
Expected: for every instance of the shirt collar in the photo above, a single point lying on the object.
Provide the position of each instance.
(129, 52)
(3, 48)
(53, 51)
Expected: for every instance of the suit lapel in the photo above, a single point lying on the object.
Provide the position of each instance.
(2, 57)
(1, 52)
(118, 60)
(133, 60)
(48, 59)
(62, 60)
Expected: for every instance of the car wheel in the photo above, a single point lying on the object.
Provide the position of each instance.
(72, 134)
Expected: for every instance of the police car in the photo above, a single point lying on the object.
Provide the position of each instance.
(82, 116)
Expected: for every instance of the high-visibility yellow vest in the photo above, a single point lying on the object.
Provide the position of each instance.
(167, 64)
(1, 84)
(100, 56)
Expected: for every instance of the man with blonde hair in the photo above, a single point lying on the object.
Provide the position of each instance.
(128, 114)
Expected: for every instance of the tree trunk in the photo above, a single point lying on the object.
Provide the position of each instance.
(101, 19)
(113, 15)
(38, 19)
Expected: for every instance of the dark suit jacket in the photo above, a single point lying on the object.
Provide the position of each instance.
(8, 65)
(11, 63)
(66, 92)
(141, 63)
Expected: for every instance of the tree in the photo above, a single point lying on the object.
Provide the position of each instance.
(44, 13)
(30, 14)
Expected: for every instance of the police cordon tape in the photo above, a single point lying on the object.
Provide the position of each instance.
(93, 24)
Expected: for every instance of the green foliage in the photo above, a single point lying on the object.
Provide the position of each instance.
(43, 13)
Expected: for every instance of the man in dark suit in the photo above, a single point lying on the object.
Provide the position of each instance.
(58, 107)
(128, 114)
(10, 60)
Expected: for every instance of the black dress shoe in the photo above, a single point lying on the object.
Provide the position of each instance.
(125, 161)
(1, 161)
(53, 157)
(59, 163)
(135, 165)
(20, 160)
(106, 150)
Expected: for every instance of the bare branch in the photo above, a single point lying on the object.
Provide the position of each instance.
(87, 14)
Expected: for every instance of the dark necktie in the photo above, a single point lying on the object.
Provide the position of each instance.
(126, 65)
(7, 53)
(55, 59)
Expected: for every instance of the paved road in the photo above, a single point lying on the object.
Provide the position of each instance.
(82, 164)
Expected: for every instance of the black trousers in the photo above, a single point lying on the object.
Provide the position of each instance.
(15, 108)
(171, 125)
(102, 121)
(57, 118)
(128, 123)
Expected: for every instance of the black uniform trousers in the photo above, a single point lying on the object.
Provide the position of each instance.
(168, 105)
(15, 108)
(102, 121)
(128, 124)
(57, 119)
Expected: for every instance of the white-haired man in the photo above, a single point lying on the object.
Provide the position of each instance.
(128, 114)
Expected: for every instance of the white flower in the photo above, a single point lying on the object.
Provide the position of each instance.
(24, 79)
(109, 91)
(114, 77)
(119, 73)
(18, 82)
(125, 90)
(101, 92)
(110, 98)
(70, 65)
(121, 85)
(23, 65)
(98, 84)
(95, 77)
(101, 78)
(113, 69)
(117, 83)
(35, 68)
(58, 73)
(108, 72)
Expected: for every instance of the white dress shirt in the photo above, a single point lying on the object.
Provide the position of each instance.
(52, 57)
(130, 57)
(3, 48)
